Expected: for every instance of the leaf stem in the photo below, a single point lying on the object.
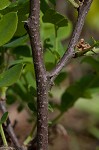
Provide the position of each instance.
(74, 3)
(56, 43)
(3, 136)
(30, 137)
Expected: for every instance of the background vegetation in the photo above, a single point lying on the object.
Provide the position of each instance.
(77, 85)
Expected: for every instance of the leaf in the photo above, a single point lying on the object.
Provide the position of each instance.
(82, 86)
(62, 33)
(74, 3)
(47, 44)
(92, 61)
(21, 2)
(93, 15)
(22, 51)
(67, 101)
(78, 90)
(61, 77)
(4, 4)
(44, 6)
(49, 57)
(65, 32)
(96, 44)
(51, 16)
(17, 42)
(32, 91)
(8, 26)
(20, 90)
(22, 16)
(49, 66)
(50, 108)
(32, 107)
(20, 108)
(53, 2)
(10, 76)
(4, 118)
(11, 98)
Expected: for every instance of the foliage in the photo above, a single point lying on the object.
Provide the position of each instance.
(17, 70)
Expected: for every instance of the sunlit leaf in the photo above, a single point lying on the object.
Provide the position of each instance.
(8, 26)
(4, 4)
(17, 42)
(51, 16)
(10, 76)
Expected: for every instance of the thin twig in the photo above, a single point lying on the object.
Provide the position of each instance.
(9, 128)
(70, 53)
(32, 27)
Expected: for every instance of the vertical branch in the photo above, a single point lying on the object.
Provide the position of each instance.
(32, 27)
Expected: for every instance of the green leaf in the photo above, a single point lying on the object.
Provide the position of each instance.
(22, 16)
(17, 42)
(62, 33)
(22, 51)
(82, 85)
(20, 108)
(96, 44)
(74, 3)
(51, 16)
(93, 15)
(11, 98)
(21, 2)
(32, 91)
(8, 26)
(92, 61)
(32, 107)
(65, 32)
(53, 2)
(44, 6)
(4, 118)
(61, 77)
(20, 90)
(49, 57)
(67, 101)
(50, 108)
(49, 66)
(4, 4)
(10, 76)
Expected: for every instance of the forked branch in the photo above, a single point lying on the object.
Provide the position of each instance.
(32, 27)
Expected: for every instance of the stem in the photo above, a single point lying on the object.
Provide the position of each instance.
(70, 53)
(30, 137)
(32, 27)
(56, 45)
(74, 3)
(9, 127)
(3, 136)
